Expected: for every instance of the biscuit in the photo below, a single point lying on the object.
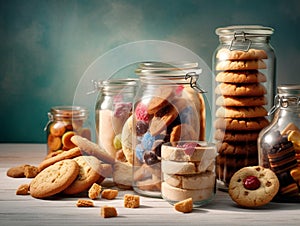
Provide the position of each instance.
(234, 149)
(251, 76)
(237, 89)
(88, 174)
(54, 179)
(241, 123)
(92, 148)
(241, 112)
(241, 101)
(72, 153)
(184, 206)
(183, 132)
(163, 96)
(235, 136)
(31, 171)
(109, 194)
(16, 171)
(84, 203)
(253, 186)
(251, 54)
(94, 191)
(23, 189)
(108, 211)
(241, 65)
(162, 119)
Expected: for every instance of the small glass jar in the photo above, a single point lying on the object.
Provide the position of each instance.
(169, 106)
(64, 122)
(244, 65)
(279, 143)
(188, 171)
(113, 108)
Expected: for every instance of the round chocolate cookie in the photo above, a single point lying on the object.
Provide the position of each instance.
(253, 186)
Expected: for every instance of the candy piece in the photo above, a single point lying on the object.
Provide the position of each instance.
(141, 112)
(122, 110)
(150, 158)
(139, 151)
(141, 127)
(148, 141)
(251, 183)
(117, 142)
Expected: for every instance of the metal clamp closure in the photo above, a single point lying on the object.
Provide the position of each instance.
(284, 102)
(240, 37)
(193, 81)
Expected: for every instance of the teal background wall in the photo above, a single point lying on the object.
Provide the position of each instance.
(46, 45)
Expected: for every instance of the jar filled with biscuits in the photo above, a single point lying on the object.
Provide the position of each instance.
(64, 122)
(279, 143)
(113, 108)
(169, 106)
(244, 82)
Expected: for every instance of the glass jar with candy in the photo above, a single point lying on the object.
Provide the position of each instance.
(279, 143)
(169, 106)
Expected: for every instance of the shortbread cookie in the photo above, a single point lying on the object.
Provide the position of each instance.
(72, 153)
(251, 54)
(253, 186)
(251, 76)
(177, 194)
(54, 179)
(235, 89)
(92, 148)
(241, 101)
(241, 123)
(241, 112)
(236, 136)
(241, 65)
(88, 174)
(194, 181)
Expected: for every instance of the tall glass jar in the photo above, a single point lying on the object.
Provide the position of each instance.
(279, 143)
(113, 108)
(244, 65)
(168, 107)
(64, 122)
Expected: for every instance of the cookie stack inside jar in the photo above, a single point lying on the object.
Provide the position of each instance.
(244, 66)
(166, 109)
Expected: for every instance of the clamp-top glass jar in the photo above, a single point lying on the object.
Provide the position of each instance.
(279, 143)
(113, 108)
(169, 106)
(244, 68)
(64, 122)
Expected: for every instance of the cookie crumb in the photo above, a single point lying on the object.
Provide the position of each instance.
(84, 203)
(131, 201)
(108, 211)
(94, 191)
(184, 206)
(30, 171)
(109, 194)
(23, 189)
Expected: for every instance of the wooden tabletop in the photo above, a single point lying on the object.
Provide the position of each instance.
(26, 210)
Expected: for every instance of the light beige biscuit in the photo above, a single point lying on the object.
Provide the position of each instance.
(251, 54)
(262, 190)
(54, 179)
(241, 101)
(236, 89)
(72, 153)
(241, 65)
(92, 148)
(251, 76)
(241, 123)
(88, 174)
(241, 112)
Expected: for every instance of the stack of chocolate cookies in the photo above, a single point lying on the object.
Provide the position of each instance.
(240, 112)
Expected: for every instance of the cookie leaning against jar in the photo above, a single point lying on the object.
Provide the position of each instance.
(240, 112)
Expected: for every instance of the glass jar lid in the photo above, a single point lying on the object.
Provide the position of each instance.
(66, 112)
(289, 90)
(247, 30)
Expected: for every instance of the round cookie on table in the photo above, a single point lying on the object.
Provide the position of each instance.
(253, 186)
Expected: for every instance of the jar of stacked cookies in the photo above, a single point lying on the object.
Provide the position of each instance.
(64, 122)
(113, 108)
(244, 67)
(169, 106)
(279, 143)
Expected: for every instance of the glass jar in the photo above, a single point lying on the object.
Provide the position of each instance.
(279, 143)
(113, 108)
(64, 122)
(169, 106)
(244, 66)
